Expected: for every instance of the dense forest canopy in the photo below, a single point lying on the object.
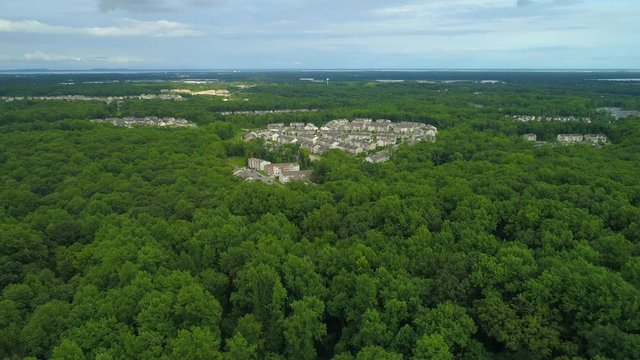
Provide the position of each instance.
(139, 243)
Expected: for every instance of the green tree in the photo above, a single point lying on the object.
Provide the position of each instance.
(450, 321)
(432, 347)
(196, 343)
(260, 291)
(67, 350)
(45, 328)
(10, 325)
(195, 307)
(238, 348)
(304, 327)
(377, 353)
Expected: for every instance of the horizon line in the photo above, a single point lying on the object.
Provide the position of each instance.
(239, 70)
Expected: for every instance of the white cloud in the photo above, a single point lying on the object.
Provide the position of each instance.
(438, 7)
(116, 59)
(153, 5)
(125, 28)
(39, 56)
(131, 27)
(30, 26)
(394, 10)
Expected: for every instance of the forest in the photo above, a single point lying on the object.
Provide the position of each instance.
(138, 243)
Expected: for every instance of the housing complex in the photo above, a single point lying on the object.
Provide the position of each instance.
(354, 137)
(595, 139)
(146, 121)
(619, 113)
(107, 99)
(283, 172)
(252, 175)
(565, 139)
(222, 92)
(528, 118)
(267, 112)
(380, 156)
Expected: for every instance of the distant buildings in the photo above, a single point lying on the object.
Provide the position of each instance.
(276, 170)
(147, 121)
(284, 172)
(378, 157)
(222, 92)
(288, 176)
(250, 136)
(570, 138)
(276, 126)
(618, 113)
(528, 118)
(354, 137)
(565, 139)
(266, 112)
(312, 80)
(258, 164)
(596, 138)
(251, 175)
(107, 99)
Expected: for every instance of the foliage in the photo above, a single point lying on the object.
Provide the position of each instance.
(139, 243)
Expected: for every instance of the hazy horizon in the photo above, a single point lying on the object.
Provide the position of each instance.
(302, 70)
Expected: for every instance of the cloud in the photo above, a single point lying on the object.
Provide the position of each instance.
(434, 7)
(125, 28)
(354, 33)
(29, 26)
(39, 56)
(394, 10)
(152, 5)
(524, 3)
(548, 3)
(113, 59)
(130, 27)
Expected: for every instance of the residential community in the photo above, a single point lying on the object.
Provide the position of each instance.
(265, 171)
(528, 118)
(107, 99)
(267, 112)
(354, 137)
(619, 113)
(130, 122)
(221, 92)
(596, 139)
(565, 139)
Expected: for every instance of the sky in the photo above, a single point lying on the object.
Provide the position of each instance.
(320, 34)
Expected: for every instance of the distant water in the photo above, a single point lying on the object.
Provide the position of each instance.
(496, 76)
(631, 80)
(159, 71)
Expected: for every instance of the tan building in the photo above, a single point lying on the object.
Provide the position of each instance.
(276, 126)
(570, 138)
(278, 169)
(596, 138)
(250, 136)
(378, 157)
(258, 164)
(288, 176)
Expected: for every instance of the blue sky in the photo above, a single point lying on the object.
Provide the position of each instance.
(317, 34)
